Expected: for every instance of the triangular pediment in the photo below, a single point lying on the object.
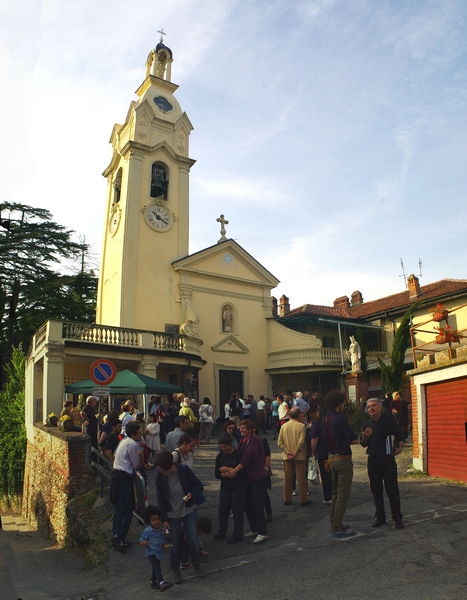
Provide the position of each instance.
(230, 344)
(226, 260)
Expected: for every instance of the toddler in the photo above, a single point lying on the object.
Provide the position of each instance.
(153, 540)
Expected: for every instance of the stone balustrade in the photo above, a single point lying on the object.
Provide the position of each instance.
(60, 331)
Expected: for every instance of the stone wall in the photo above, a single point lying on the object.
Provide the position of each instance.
(58, 466)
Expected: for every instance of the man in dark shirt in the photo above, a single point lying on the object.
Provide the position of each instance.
(90, 420)
(235, 408)
(377, 437)
(339, 436)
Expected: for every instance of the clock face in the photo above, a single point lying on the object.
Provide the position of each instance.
(158, 218)
(114, 221)
(163, 104)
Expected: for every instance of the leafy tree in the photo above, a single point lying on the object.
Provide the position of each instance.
(31, 289)
(12, 430)
(392, 375)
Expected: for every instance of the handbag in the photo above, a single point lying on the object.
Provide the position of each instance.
(313, 472)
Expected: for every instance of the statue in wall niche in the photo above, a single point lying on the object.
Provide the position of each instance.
(355, 354)
(190, 327)
(226, 319)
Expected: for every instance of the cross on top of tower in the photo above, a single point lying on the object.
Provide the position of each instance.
(162, 32)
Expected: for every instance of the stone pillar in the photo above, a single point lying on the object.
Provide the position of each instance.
(53, 380)
(356, 387)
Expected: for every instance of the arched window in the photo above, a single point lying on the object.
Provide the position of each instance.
(159, 181)
(117, 186)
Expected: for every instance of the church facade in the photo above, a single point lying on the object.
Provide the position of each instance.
(205, 321)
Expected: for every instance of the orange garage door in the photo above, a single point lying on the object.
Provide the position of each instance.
(447, 429)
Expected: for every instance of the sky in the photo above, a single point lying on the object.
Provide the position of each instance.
(332, 134)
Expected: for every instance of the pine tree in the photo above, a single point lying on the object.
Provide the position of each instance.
(33, 250)
(392, 375)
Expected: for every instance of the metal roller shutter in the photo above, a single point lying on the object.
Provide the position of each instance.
(447, 429)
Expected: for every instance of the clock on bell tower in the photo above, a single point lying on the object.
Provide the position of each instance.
(147, 208)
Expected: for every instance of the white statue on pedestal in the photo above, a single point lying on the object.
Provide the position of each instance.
(355, 354)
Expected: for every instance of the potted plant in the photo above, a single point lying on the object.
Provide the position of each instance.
(52, 420)
(439, 313)
(447, 335)
(67, 423)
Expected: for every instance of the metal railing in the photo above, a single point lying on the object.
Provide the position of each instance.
(440, 337)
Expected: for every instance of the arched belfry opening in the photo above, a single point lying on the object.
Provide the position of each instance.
(117, 185)
(159, 180)
(159, 62)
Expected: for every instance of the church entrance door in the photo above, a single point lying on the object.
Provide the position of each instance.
(229, 381)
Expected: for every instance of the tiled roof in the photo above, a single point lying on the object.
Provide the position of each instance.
(432, 292)
(315, 310)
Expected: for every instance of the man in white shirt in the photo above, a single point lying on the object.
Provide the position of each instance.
(127, 459)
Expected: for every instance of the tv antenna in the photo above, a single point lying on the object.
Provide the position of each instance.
(404, 274)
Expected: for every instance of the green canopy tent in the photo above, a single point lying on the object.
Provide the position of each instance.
(126, 382)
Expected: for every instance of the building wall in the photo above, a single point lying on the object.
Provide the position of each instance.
(58, 466)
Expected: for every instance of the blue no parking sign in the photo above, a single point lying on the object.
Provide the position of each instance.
(102, 371)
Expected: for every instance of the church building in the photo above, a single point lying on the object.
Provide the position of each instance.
(203, 321)
(208, 321)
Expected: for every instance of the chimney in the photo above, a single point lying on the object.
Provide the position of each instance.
(342, 302)
(414, 286)
(356, 299)
(284, 306)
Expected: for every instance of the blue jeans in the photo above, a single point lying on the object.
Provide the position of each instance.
(123, 512)
(191, 525)
(156, 575)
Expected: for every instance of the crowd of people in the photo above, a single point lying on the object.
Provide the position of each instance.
(304, 431)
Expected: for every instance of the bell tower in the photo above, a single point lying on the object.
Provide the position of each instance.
(147, 206)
